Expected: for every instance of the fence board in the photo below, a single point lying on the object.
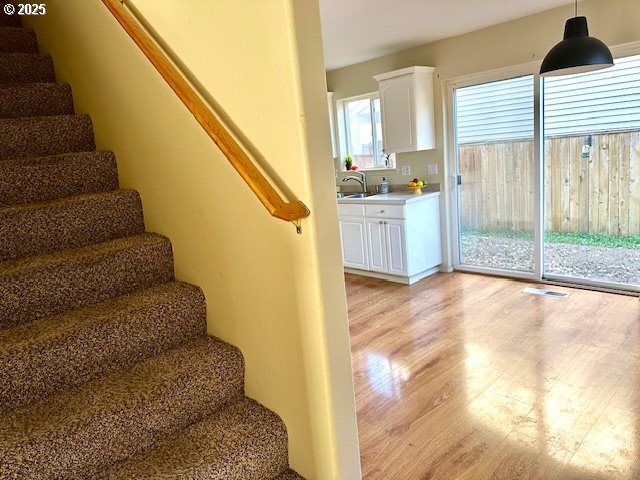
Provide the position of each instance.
(549, 151)
(634, 183)
(488, 219)
(564, 164)
(594, 185)
(598, 194)
(582, 213)
(603, 186)
(614, 185)
(623, 184)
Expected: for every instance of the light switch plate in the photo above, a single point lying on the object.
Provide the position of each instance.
(406, 170)
(432, 169)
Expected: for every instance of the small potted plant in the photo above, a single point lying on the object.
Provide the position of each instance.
(348, 161)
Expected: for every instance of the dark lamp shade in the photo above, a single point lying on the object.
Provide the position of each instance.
(577, 53)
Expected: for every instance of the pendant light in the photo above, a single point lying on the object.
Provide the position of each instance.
(577, 52)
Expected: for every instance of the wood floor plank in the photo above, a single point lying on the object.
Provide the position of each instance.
(463, 376)
(627, 397)
(609, 449)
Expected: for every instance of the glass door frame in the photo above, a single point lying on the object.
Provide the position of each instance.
(451, 170)
(452, 193)
(626, 50)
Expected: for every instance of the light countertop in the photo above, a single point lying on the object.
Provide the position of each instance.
(393, 198)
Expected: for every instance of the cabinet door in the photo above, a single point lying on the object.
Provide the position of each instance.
(377, 245)
(396, 247)
(398, 114)
(354, 242)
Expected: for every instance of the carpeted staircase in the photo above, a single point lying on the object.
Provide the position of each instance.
(106, 371)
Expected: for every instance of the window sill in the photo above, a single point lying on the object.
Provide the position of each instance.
(377, 169)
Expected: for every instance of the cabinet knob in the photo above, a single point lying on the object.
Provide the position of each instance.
(382, 211)
(381, 222)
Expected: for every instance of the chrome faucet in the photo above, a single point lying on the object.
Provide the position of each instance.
(362, 181)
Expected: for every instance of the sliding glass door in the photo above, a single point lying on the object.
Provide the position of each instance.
(560, 201)
(495, 175)
(592, 176)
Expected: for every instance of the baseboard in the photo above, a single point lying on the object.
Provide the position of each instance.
(393, 278)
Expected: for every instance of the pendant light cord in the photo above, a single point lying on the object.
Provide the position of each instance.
(576, 9)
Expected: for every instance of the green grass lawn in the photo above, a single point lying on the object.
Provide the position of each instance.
(595, 240)
(574, 238)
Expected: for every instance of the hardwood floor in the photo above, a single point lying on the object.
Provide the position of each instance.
(463, 376)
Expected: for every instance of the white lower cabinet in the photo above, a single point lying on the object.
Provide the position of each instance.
(398, 242)
(387, 251)
(396, 250)
(354, 242)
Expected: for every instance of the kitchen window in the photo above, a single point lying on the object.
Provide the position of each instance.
(360, 131)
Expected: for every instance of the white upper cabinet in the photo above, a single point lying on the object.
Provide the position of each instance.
(406, 102)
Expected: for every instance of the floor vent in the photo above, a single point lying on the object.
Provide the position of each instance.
(546, 293)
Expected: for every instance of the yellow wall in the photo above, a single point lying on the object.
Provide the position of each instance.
(276, 295)
(513, 43)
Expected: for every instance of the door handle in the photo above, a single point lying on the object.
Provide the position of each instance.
(456, 180)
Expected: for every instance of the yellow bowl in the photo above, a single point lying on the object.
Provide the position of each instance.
(416, 190)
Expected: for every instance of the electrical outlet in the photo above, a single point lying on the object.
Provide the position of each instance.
(432, 169)
(406, 170)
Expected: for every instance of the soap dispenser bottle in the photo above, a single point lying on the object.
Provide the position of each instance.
(384, 186)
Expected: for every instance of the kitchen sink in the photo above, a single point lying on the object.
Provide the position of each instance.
(360, 195)
(354, 195)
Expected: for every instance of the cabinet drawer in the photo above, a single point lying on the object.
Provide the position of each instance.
(384, 211)
(352, 209)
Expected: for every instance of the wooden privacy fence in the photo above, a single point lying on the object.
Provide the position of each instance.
(594, 190)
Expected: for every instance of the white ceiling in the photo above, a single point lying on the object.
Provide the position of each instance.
(358, 30)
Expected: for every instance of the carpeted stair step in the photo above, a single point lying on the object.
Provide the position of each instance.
(105, 367)
(244, 441)
(288, 474)
(46, 356)
(42, 136)
(47, 227)
(82, 431)
(38, 179)
(34, 287)
(26, 68)
(17, 40)
(35, 100)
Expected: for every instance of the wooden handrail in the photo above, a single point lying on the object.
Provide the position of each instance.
(273, 202)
